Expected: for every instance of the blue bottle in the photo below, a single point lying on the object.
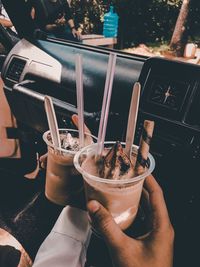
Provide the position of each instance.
(110, 25)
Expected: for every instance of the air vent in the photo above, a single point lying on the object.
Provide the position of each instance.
(15, 69)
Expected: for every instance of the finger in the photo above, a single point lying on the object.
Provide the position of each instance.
(88, 137)
(78, 35)
(144, 202)
(157, 202)
(145, 197)
(75, 122)
(43, 160)
(144, 211)
(104, 223)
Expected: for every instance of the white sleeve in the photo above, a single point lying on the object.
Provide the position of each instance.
(67, 243)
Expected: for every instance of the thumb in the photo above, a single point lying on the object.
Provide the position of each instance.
(75, 122)
(43, 161)
(103, 222)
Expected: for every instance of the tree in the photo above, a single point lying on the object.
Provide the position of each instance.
(88, 15)
(179, 37)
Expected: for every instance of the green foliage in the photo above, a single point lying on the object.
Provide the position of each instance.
(140, 21)
(88, 15)
(148, 20)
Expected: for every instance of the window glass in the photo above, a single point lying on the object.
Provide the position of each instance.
(166, 28)
(146, 27)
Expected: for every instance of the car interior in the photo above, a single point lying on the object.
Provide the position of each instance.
(34, 66)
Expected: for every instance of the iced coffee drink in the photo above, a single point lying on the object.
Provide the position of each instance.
(62, 179)
(113, 180)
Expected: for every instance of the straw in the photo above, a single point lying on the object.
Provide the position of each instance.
(52, 121)
(106, 102)
(80, 100)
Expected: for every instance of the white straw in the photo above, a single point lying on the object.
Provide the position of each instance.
(52, 121)
(80, 100)
(106, 102)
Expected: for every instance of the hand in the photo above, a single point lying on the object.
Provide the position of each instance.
(88, 139)
(76, 34)
(78, 200)
(61, 22)
(152, 250)
(75, 122)
(43, 161)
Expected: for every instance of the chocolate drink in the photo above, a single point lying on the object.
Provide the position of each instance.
(122, 202)
(112, 180)
(62, 179)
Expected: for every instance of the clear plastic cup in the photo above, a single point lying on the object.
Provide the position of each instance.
(120, 197)
(62, 179)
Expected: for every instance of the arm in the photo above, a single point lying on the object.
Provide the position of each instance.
(70, 22)
(51, 27)
(4, 19)
(71, 233)
(6, 22)
(58, 23)
(75, 33)
(33, 13)
(67, 243)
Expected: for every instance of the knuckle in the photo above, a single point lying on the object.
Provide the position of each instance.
(102, 220)
(160, 191)
(171, 232)
(106, 223)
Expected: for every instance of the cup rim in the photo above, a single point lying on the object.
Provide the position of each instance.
(109, 181)
(48, 143)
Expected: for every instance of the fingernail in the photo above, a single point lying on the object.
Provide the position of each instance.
(93, 206)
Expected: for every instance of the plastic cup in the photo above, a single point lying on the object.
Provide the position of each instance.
(120, 197)
(62, 179)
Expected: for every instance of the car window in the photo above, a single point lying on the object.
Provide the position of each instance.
(166, 28)
(150, 28)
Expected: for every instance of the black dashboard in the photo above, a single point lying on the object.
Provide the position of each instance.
(48, 67)
(172, 89)
(171, 97)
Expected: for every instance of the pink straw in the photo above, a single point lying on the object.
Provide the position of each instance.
(106, 102)
(80, 100)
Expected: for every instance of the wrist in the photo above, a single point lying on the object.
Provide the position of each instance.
(72, 28)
